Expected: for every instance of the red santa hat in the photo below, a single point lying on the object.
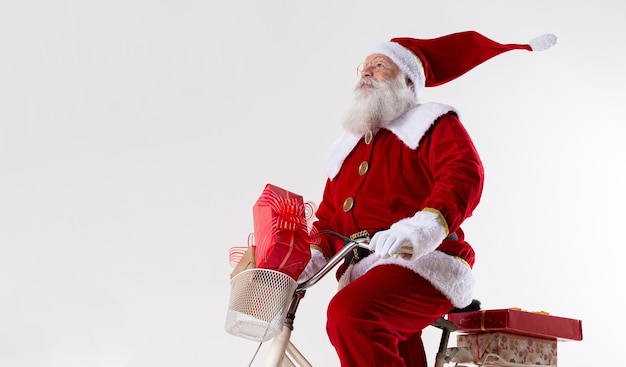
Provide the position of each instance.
(432, 62)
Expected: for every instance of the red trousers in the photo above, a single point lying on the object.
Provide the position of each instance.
(377, 319)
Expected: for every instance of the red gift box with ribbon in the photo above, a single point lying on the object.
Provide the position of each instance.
(281, 232)
(517, 321)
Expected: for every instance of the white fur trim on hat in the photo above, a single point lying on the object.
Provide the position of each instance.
(408, 63)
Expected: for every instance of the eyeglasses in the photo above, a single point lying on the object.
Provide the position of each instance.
(376, 65)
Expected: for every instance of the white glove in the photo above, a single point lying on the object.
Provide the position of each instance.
(316, 262)
(419, 234)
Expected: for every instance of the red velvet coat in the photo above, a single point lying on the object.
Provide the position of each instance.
(426, 159)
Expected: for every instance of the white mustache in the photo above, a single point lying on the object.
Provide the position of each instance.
(368, 81)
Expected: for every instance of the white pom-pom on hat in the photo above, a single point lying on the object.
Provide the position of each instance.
(543, 42)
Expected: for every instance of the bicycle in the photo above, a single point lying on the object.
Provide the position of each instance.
(264, 303)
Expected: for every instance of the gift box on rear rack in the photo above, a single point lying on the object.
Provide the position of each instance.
(517, 321)
(503, 349)
(281, 231)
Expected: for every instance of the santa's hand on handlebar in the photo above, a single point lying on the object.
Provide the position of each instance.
(416, 235)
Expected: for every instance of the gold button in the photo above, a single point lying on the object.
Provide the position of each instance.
(363, 167)
(368, 137)
(348, 204)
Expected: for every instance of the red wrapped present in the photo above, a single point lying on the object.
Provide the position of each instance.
(516, 321)
(281, 232)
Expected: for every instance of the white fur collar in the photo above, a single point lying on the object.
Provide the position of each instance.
(409, 128)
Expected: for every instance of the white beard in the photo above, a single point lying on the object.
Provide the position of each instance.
(378, 105)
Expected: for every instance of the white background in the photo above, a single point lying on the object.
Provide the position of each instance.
(135, 137)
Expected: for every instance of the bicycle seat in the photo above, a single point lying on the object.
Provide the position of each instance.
(474, 306)
(448, 326)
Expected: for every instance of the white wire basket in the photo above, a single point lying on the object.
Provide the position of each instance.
(259, 302)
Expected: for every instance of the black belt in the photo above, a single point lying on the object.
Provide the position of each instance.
(359, 253)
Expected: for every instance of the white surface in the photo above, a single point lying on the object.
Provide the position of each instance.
(135, 137)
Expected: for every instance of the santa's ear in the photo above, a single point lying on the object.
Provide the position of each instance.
(409, 83)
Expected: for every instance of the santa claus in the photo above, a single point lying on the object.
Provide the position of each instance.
(406, 175)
